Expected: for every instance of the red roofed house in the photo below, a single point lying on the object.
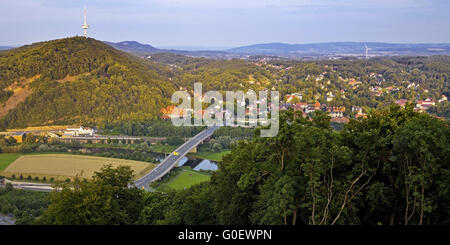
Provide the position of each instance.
(401, 102)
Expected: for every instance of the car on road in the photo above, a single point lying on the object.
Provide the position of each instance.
(175, 153)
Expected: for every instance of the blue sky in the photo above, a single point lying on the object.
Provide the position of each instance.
(227, 23)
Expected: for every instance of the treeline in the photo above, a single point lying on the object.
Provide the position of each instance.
(150, 128)
(165, 128)
(140, 151)
(391, 168)
(441, 109)
(30, 143)
(144, 156)
(218, 144)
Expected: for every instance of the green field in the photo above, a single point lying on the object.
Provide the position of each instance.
(187, 178)
(213, 156)
(6, 159)
(163, 148)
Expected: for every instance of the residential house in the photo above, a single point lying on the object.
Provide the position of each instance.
(444, 98)
(329, 97)
(336, 111)
(19, 136)
(401, 102)
(423, 105)
(356, 109)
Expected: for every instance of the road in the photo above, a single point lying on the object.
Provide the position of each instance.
(169, 162)
(30, 186)
(7, 219)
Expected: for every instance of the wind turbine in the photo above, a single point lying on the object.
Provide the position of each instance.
(85, 26)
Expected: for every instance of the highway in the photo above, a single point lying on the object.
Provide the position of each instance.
(170, 161)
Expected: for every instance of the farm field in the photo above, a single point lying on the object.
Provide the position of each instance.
(187, 178)
(6, 159)
(62, 166)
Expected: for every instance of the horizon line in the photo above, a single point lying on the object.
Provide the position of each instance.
(226, 47)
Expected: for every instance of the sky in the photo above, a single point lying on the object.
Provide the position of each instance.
(220, 24)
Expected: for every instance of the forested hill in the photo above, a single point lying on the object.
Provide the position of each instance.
(78, 80)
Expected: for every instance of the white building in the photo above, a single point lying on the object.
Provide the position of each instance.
(79, 131)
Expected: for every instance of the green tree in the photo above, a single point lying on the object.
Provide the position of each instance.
(107, 199)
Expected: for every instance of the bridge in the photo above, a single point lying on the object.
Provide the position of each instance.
(171, 161)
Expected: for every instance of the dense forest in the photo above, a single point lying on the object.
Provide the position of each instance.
(24, 205)
(390, 168)
(84, 81)
(79, 80)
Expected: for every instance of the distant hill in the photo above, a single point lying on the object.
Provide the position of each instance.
(140, 49)
(78, 80)
(316, 50)
(134, 47)
(342, 49)
(5, 47)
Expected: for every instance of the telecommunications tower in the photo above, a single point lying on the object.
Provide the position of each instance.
(85, 26)
(367, 51)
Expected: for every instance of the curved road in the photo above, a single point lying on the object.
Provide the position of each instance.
(169, 162)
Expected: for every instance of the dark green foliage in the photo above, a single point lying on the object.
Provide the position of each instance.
(310, 174)
(390, 168)
(155, 128)
(110, 85)
(25, 205)
(105, 200)
(175, 140)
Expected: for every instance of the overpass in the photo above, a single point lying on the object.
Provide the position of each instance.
(170, 161)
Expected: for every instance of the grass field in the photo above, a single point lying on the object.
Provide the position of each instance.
(6, 159)
(187, 178)
(163, 148)
(213, 156)
(62, 166)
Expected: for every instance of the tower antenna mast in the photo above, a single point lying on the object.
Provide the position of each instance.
(367, 51)
(85, 26)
